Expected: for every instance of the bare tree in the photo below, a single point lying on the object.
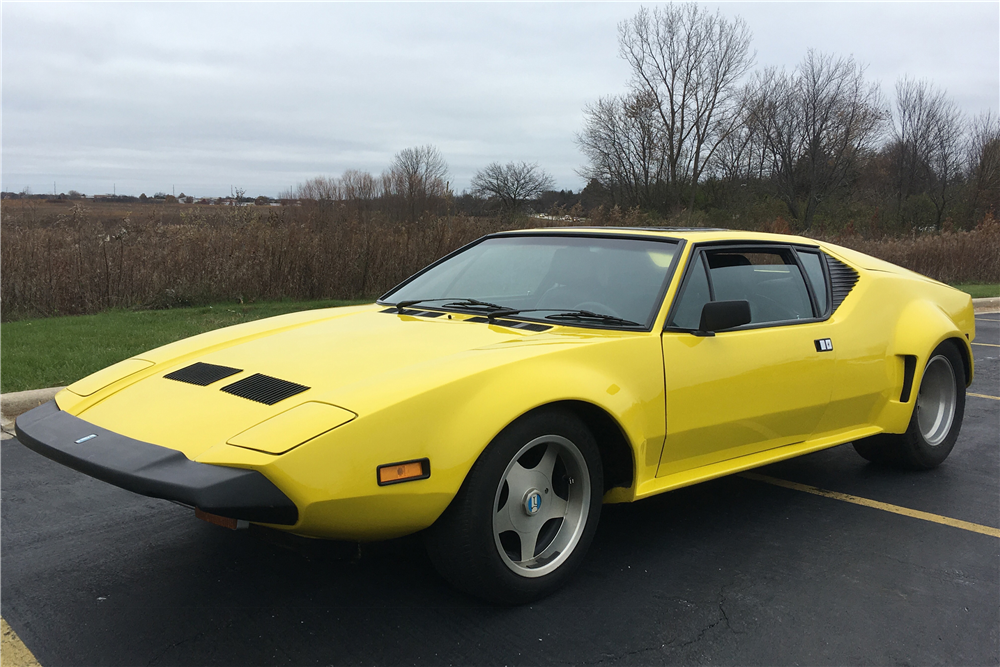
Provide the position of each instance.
(743, 156)
(983, 163)
(417, 176)
(511, 184)
(817, 123)
(360, 191)
(926, 144)
(320, 188)
(624, 145)
(690, 63)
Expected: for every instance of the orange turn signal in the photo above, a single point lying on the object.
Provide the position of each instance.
(224, 521)
(405, 471)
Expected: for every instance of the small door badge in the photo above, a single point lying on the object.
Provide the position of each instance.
(824, 345)
(85, 438)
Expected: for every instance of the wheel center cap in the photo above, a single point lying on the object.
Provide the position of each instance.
(532, 502)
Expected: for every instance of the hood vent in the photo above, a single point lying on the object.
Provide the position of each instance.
(512, 324)
(842, 279)
(202, 374)
(264, 389)
(527, 326)
(413, 313)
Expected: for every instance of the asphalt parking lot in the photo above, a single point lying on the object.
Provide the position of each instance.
(735, 571)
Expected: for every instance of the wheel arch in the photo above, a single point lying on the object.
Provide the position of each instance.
(965, 354)
(922, 327)
(617, 457)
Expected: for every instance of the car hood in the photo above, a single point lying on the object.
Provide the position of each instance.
(356, 359)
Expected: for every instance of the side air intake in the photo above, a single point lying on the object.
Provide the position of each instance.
(842, 278)
(202, 374)
(264, 389)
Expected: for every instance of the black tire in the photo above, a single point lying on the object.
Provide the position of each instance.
(936, 421)
(479, 543)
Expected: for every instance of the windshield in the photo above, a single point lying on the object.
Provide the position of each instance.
(617, 277)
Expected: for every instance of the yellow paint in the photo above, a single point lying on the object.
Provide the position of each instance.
(986, 344)
(13, 651)
(109, 375)
(886, 507)
(386, 387)
(724, 400)
(995, 398)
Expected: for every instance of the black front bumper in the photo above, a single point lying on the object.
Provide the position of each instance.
(152, 470)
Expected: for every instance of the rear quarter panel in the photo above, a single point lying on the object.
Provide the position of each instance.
(889, 314)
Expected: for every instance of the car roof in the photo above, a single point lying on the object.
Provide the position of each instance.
(692, 234)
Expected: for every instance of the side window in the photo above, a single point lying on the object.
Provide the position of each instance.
(811, 262)
(696, 294)
(770, 280)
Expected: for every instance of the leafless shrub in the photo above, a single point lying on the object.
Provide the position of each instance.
(949, 256)
(60, 261)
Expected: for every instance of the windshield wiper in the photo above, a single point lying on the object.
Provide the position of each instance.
(463, 302)
(565, 315)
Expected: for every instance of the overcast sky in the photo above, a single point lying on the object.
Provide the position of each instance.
(201, 97)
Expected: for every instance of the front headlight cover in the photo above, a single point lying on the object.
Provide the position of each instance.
(291, 428)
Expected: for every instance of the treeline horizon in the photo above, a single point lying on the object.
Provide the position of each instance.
(701, 130)
(704, 137)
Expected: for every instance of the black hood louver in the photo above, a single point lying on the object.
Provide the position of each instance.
(842, 279)
(511, 324)
(202, 374)
(413, 313)
(264, 389)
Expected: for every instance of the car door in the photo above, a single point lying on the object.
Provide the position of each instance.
(762, 385)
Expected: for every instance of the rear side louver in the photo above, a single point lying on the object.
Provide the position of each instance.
(202, 374)
(264, 389)
(842, 278)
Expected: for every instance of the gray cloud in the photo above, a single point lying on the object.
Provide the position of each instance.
(204, 96)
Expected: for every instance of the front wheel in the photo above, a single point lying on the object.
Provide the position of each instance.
(526, 513)
(936, 421)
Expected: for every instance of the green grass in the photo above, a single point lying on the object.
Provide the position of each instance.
(980, 290)
(56, 351)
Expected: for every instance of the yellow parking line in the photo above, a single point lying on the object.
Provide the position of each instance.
(987, 344)
(14, 652)
(995, 398)
(895, 509)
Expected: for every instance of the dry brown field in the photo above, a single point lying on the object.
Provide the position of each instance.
(62, 258)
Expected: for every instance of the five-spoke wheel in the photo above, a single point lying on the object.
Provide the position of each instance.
(541, 507)
(527, 512)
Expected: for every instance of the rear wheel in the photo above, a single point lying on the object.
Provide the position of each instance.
(526, 514)
(936, 421)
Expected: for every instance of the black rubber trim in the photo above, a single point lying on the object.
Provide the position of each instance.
(151, 470)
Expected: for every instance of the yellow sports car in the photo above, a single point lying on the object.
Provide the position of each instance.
(497, 398)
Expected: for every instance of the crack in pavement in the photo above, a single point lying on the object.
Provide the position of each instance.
(723, 617)
(166, 650)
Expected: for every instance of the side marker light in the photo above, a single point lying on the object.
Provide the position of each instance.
(405, 471)
(224, 521)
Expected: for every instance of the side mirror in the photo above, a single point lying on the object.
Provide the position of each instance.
(722, 315)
